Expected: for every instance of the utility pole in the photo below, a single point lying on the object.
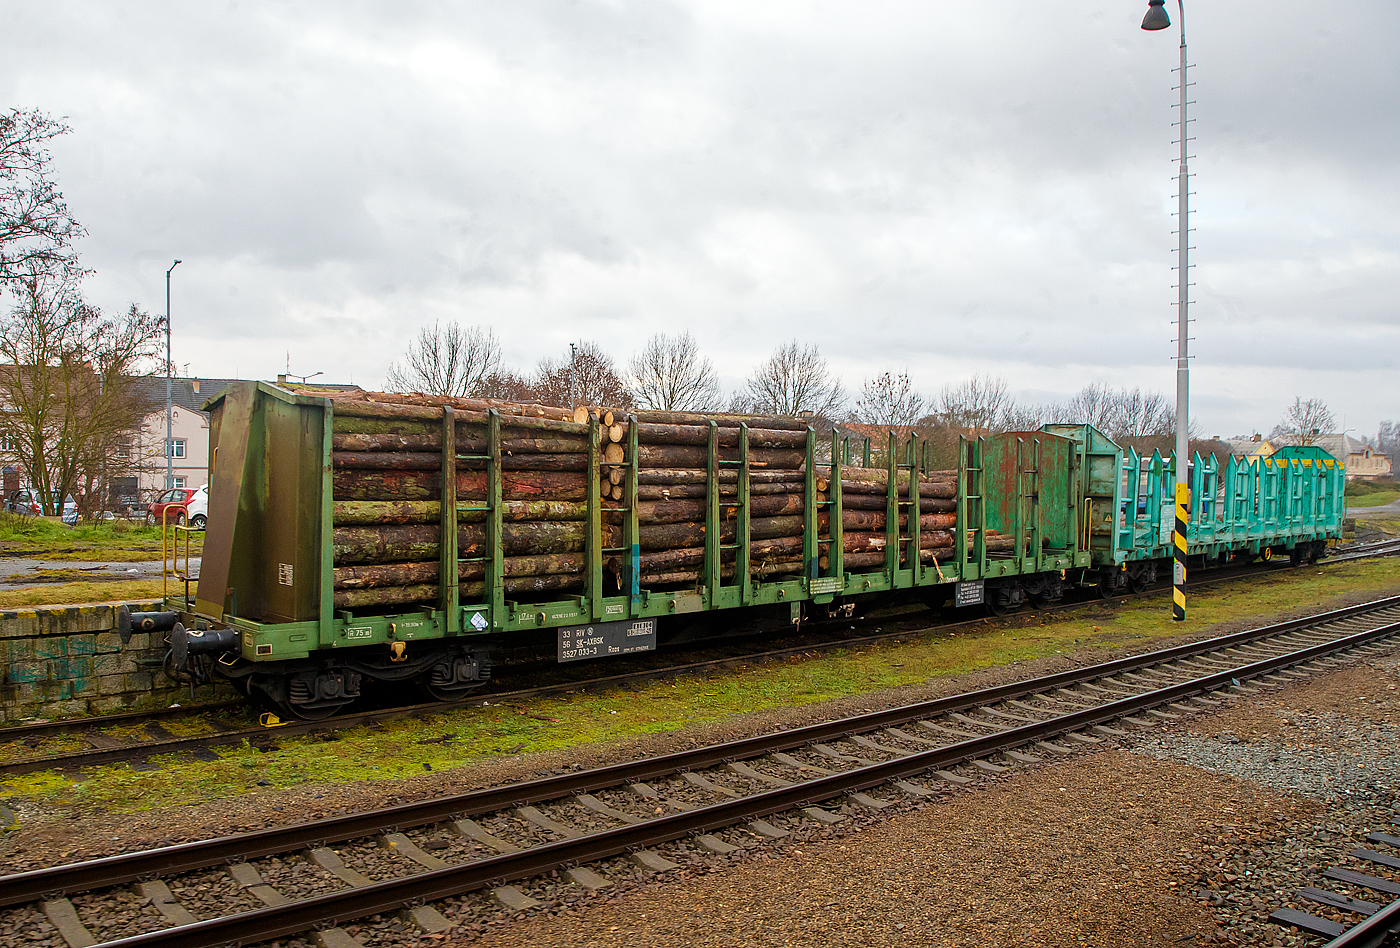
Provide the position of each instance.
(573, 366)
(1156, 19)
(169, 390)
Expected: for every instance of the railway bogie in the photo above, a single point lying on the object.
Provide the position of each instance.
(353, 540)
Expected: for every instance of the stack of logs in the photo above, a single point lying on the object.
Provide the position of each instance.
(672, 473)
(387, 488)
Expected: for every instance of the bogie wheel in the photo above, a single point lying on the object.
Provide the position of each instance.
(1267, 554)
(448, 694)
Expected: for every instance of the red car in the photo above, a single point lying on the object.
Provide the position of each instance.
(177, 499)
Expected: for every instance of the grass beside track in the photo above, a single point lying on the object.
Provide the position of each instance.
(468, 736)
(116, 540)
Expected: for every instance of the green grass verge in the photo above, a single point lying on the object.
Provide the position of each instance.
(1374, 499)
(117, 540)
(75, 593)
(468, 736)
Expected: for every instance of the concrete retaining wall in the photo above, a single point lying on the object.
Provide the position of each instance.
(59, 661)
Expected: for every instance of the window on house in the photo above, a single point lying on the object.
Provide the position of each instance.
(124, 448)
(177, 447)
(179, 481)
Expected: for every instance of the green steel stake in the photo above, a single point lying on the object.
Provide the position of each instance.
(743, 555)
(891, 510)
(712, 519)
(495, 568)
(809, 509)
(449, 569)
(593, 592)
(835, 559)
(634, 530)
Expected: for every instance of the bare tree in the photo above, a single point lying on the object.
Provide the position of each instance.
(587, 379)
(66, 383)
(795, 379)
(981, 403)
(1021, 417)
(1304, 420)
(670, 374)
(1388, 443)
(446, 360)
(508, 385)
(889, 399)
(1125, 415)
(36, 231)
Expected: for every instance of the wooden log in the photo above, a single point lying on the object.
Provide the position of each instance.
(727, 475)
(386, 461)
(608, 418)
(529, 587)
(727, 571)
(617, 432)
(695, 456)
(412, 420)
(724, 420)
(513, 440)
(409, 574)
(940, 489)
(361, 441)
(665, 560)
(614, 454)
(854, 561)
(861, 542)
(682, 491)
(875, 520)
(403, 543)
(403, 404)
(615, 492)
(668, 536)
(471, 485)
(877, 502)
(728, 437)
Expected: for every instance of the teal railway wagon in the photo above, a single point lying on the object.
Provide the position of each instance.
(1033, 513)
(1290, 504)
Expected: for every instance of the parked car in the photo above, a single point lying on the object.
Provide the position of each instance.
(179, 504)
(197, 508)
(28, 503)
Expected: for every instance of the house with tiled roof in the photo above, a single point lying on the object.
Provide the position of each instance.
(1361, 460)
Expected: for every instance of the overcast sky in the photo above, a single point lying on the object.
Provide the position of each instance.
(943, 188)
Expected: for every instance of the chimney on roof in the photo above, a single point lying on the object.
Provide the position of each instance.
(1257, 438)
(194, 384)
(281, 380)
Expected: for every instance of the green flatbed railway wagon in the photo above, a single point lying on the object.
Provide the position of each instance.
(401, 539)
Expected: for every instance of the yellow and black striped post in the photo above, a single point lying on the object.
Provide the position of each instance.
(1183, 501)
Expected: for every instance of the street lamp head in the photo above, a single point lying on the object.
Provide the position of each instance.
(1156, 18)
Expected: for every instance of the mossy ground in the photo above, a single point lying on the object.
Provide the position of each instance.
(468, 736)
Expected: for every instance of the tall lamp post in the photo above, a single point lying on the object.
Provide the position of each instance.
(1157, 19)
(169, 390)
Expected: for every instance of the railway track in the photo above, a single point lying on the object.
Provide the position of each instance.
(103, 747)
(657, 813)
(1380, 923)
(136, 737)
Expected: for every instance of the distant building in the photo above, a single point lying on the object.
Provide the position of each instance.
(1254, 447)
(1361, 460)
